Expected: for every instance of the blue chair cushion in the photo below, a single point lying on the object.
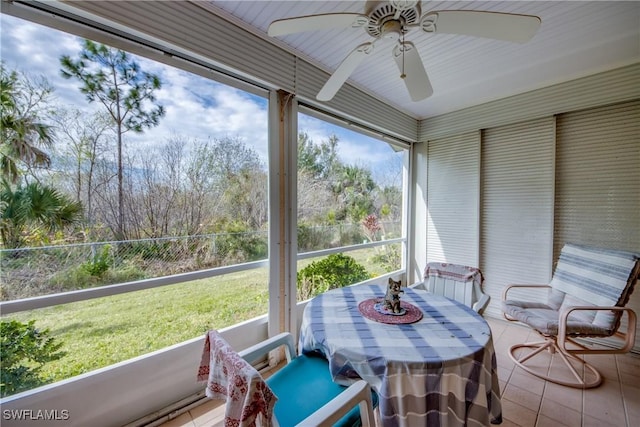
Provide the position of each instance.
(303, 386)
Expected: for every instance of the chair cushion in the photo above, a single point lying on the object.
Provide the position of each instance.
(595, 276)
(303, 386)
(545, 319)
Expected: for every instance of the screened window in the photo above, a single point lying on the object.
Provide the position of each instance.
(350, 207)
(135, 174)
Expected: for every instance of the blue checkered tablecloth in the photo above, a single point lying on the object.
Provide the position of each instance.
(439, 371)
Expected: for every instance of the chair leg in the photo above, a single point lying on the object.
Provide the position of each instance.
(550, 344)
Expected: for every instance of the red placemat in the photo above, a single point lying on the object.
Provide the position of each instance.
(370, 311)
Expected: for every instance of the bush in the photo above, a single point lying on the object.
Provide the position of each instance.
(351, 234)
(23, 351)
(312, 238)
(79, 278)
(335, 271)
(72, 279)
(100, 262)
(236, 243)
(388, 258)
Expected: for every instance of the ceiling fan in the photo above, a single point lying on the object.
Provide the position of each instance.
(391, 21)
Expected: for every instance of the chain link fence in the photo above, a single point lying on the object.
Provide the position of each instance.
(35, 271)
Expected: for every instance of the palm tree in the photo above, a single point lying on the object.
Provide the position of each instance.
(34, 205)
(20, 129)
(353, 189)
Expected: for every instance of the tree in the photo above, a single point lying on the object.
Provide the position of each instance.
(157, 198)
(185, 187)
(317, 163)
(229, 178)
(320, 161)
(84, 137)
(244, 182)
(354, 191)
(34, 205)
(21, 108)
(115, 80)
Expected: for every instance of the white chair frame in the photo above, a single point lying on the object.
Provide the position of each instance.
(468, 293)
(358, 393)
(558, 344)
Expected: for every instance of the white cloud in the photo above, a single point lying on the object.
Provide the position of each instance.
(196, 107)
(200, 109)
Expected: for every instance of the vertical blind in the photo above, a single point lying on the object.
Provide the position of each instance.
(598, 182)
(517, 207)
(453, 174)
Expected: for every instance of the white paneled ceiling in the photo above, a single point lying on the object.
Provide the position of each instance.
(576, 39)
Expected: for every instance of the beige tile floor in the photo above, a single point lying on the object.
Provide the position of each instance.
(526, 400)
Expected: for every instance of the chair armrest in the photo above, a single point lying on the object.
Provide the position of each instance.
(509, 287)
(358, 393)
(629, 337)
(257, 351)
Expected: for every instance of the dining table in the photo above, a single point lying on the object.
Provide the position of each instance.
(432, 364)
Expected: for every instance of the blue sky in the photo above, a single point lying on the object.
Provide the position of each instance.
(195, 107)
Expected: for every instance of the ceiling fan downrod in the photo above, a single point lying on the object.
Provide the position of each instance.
(403, 75)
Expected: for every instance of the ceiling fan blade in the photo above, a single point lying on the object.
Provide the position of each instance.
(282, 27)
(493, 25)
(344, 70)
(415, 76)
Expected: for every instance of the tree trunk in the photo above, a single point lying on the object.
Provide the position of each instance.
(120, 222)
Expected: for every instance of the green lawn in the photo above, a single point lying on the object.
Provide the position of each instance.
(103, 331)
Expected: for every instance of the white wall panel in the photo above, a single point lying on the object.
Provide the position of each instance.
(453, 197)
(517, 206)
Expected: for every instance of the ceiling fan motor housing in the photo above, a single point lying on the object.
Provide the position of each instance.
(381, 12)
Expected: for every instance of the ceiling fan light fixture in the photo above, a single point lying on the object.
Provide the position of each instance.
(381, 12)
(391, 30)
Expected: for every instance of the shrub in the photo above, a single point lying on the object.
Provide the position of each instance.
(350, 234)
(236, 243)
(80, 277)
(312, 237)
(335, 271)
(72, 278)
(126, 272)
(100, 262)
(24, 350)
(388, 258)
(149, 250)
